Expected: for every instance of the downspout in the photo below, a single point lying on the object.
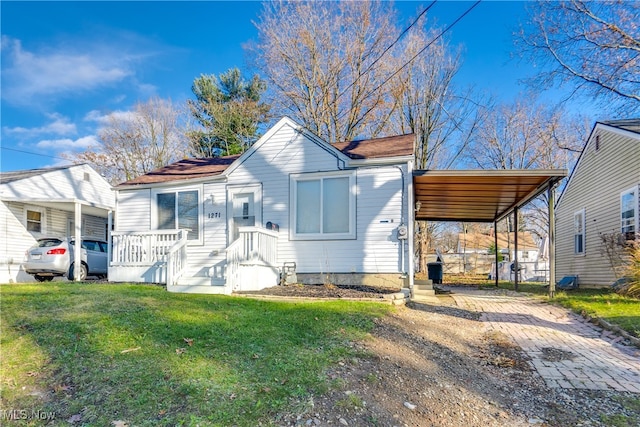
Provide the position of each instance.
(411, 223)
(402, 220)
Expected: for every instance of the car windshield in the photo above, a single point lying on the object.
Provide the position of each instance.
(46, 243)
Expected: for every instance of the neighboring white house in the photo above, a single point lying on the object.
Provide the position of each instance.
(599, 200)
(47, 202)
(337, 213)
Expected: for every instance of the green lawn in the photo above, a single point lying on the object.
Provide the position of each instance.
(99, 353)
(602, 303)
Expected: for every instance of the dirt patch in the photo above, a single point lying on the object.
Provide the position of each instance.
(436, 365)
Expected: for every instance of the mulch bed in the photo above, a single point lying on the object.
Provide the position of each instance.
(324, 291)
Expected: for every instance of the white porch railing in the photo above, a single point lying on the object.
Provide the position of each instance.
(148, 248)
(177, 258)
(254, 246)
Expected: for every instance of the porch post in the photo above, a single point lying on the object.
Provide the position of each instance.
(77, 253)
(552, 240)
(495, 242)
(515, 251)
(109, 241)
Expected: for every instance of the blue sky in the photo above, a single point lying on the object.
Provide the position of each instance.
(65, 65)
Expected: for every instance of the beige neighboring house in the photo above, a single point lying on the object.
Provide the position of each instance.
(49, 202)
(600, 199)
(480, 243)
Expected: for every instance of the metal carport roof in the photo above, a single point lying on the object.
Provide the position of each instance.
(477, 195)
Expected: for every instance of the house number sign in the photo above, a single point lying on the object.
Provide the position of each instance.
(211, 215)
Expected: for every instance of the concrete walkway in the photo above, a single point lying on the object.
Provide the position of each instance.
(565, 349)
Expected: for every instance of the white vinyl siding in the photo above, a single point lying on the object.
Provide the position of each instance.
(133, 212)
(579, 232)
(629, 213)
(378, 209)
(323, 206)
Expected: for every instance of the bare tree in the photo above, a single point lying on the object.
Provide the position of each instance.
(524, 135)
(594, 46)
(319, 59)
(428, 103)
(138, 141)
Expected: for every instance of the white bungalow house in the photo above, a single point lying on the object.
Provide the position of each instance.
(65, 201)
(292, 203)
(599, 201)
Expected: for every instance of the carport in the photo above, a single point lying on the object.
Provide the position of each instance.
(486, 196)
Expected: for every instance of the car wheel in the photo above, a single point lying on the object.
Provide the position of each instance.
(40, 278)
(82, 274)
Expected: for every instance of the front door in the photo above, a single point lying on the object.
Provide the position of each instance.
(244, 209)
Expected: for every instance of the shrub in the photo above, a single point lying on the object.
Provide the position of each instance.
(632, 288)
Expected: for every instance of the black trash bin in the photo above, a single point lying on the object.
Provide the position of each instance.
(434, 270)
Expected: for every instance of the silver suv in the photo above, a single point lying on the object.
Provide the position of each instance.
(53, 257)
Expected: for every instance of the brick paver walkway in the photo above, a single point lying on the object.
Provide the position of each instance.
(565, 349)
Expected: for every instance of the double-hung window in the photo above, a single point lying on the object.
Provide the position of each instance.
(34, 219)
(323, 206)
(629, 213)
(179, 210)
(579, 232)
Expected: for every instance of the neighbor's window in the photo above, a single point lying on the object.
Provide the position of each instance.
(34, 221)
(629, 213)
(323, 206)
(179, 209)
(579, 232)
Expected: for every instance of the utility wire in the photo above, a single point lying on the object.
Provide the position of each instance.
(386, 50)
(418, 54)
(35, 154)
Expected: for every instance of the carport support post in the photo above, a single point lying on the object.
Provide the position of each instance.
(552, 240)
(77, 252)
(495, 242)
(515, 249)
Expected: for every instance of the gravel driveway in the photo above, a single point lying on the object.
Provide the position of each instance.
(480, 358)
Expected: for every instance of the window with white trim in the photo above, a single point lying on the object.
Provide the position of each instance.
(629, 213)
(579, 232)
(323, 206)
(179, 210)
(34, 218)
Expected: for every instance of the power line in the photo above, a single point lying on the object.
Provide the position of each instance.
(418, 54)
(32, 153)
(385, 51)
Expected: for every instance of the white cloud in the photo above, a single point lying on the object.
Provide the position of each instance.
(69, 144)
(103, 118)
(60, 125)
(29, 75)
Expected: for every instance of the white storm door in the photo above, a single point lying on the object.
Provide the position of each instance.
(244, 209)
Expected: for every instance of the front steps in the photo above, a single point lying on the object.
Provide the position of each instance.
(423, 291)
